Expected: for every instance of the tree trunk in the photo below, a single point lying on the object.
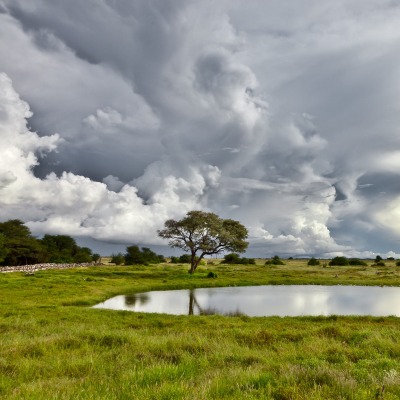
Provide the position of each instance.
(195, 263)
(193, 266)
(192, 263)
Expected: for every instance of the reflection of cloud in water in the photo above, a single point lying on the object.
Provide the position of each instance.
(266, 300)
(312, 303)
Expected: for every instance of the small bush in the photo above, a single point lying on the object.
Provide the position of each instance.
(275, 260)
(135, 255)
(379, 264)
(313, 261)
(357, 261)
(174, 260)
(234, 258)
(211, 275)
(247, 261)
(185, 259)
(339, 261)
(231, 258)
(96, 257)
(398, 263)
(117, 259)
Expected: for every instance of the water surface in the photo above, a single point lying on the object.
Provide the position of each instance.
(279, 300)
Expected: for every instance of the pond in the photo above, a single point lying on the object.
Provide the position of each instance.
(280, 300)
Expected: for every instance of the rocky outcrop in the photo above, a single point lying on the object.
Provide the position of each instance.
(30, 269)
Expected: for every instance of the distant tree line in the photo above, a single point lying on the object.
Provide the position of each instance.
(19, 247)
(356, 261)
(134, 255)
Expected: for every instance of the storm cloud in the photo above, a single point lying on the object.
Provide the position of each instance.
(117, 115)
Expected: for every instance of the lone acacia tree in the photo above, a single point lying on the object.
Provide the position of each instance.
(203, 233)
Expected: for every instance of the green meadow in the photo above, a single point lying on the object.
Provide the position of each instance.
(53, 345)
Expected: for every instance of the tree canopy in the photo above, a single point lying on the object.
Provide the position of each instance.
(3, 248)
(202, 233)
(19, 247)
(135, 255)
(63, 249)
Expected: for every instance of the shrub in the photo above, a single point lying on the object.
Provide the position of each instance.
(135, 255)
(83, 255)
(161, 258)
(185, 258)
(96, 257)
(379, 264)
(234, 258)
(357, 261)
(339, 261)
(275, 260)
(313, 261)
(231, 258)
(378, 258)
(211, 275)
(398, 263)
(117, 259)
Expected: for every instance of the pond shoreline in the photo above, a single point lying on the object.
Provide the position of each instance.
(264, 301)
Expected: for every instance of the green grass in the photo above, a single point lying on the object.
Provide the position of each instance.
(54, 346)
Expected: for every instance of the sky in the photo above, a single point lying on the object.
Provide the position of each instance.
(116, 115)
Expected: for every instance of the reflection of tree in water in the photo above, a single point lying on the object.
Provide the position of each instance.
(194, 304)
(133, 299)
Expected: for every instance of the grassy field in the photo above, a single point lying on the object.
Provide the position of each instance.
(54, 346)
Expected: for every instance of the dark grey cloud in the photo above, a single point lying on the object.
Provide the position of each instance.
(284, 116)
